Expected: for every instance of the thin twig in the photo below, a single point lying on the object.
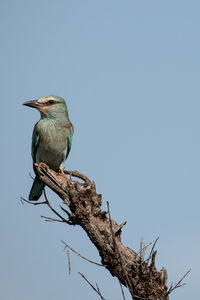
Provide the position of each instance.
(78, 175)
(49, 205)
(120, 227)
(92, 262)
(66, 211)
(99, 291)
(122, 290)
(150, 255)
(55, 212)
(31, 176)
(144, 248)
(178, 284)
(30, 202)
(22, 200)
(69, 264)
(92, 286)
(141, 245)
(48, 219)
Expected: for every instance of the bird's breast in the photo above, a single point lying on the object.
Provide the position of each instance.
(52, 147)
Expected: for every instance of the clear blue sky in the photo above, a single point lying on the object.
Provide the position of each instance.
(129, 71)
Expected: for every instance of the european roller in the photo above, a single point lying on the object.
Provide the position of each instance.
(51, 139)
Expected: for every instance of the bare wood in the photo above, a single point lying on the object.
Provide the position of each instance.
(141, 277)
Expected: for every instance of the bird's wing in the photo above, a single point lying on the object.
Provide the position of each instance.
(35, 142)
(69, 139)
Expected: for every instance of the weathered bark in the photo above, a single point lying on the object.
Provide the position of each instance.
(139, 276)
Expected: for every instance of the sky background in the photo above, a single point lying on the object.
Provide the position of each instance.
(129, 71)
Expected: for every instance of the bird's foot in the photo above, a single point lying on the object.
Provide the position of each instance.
(65, 176)
(40, 165)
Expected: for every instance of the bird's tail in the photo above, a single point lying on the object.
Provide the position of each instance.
(37, 189)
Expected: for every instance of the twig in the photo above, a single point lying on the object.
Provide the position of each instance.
(143, 249)
(120, 227)
(122, 290)
(99, 290)
(48, 219)
(92, 262)
(31, 176)
(30, 202)
(55, 212)
(78, 175)
(151, 253)
(141, 245)
(178, 284)
(49, 205)
(66, 211)
(69, 264)
(22, 200)
(92, 286)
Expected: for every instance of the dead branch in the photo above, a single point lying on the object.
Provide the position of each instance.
(83, 257)
(141, 277)
(121, 287)
(69, 262)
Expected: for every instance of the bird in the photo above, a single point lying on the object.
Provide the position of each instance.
(51, 139)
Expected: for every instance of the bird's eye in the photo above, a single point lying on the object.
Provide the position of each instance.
(51, 102)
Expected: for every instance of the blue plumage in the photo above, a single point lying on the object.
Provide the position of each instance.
(52, 137)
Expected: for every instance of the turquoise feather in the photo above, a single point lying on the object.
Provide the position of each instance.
(37, 189)
(52, 137)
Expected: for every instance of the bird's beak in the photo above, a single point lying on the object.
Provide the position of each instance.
(33, 103)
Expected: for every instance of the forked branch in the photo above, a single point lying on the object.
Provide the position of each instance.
(141, 277)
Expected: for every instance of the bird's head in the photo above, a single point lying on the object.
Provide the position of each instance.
(49, 106)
